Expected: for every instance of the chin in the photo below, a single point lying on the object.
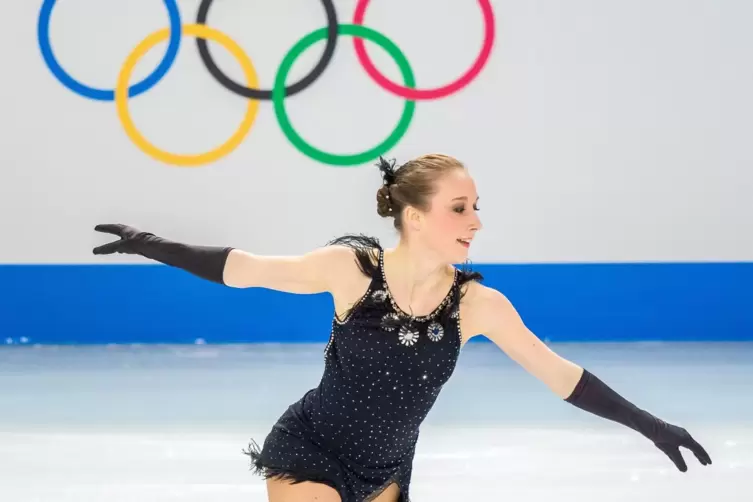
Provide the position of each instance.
(458, 254)
(451, 252)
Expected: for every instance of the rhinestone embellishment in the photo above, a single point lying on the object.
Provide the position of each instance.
(389, 321)
(379, 295)
(408, 336)
(435, 332)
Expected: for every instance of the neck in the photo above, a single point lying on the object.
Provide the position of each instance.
(415, 266)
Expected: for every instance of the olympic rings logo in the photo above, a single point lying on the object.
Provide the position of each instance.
(174, 33)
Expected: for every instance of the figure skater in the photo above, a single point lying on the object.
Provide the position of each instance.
(401, 316)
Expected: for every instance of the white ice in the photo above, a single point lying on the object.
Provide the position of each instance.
(168, 423)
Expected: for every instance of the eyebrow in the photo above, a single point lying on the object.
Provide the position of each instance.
(464, 198)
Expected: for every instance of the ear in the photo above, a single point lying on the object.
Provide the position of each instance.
(413, 218)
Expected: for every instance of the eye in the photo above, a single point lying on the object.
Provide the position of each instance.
(461, 209)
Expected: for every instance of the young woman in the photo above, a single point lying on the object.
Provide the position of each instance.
(401, 317)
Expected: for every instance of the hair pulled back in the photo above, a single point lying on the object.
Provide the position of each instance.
(412, 184)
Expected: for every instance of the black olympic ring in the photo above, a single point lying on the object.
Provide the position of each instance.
(232, 86)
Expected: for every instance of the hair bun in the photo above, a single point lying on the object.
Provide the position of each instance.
(384, 204)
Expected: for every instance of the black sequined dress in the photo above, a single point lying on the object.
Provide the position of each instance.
(384, 369)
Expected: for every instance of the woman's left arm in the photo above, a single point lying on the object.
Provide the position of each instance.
(499, 321)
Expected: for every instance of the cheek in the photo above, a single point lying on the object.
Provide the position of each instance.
(445, 228)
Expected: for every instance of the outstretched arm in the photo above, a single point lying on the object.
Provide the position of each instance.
(309, 273)
(501, 323)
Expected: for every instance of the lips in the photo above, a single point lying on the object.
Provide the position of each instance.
(464, 242)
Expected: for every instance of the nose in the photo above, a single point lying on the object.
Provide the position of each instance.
(476, 224)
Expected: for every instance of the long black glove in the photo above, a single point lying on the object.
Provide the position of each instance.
(204, 261)
(594, 396)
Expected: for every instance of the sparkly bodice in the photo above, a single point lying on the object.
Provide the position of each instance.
(384, 369)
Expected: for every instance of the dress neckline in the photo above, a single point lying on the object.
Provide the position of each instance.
(403, 313)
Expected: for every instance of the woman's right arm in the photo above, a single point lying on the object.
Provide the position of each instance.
(314, 272)
(323, 270)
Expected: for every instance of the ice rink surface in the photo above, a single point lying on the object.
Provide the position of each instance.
(168, 423)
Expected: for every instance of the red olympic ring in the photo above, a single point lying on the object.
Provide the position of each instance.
(426, 94)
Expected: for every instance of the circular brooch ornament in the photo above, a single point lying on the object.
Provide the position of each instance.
(389, 321)
(435, 332)
(408, 336)
(379, 295)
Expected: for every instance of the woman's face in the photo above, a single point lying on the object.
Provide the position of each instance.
(451, 221)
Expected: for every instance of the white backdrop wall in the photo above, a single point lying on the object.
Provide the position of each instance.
(597, 131)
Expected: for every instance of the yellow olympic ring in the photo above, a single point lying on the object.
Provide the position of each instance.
(121, 97)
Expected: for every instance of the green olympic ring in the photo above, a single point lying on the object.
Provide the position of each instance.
(278, 96)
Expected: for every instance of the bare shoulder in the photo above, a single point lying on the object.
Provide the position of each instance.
(483, 297)
(357, 250)
(482, 307)
(352, 270)
(346, 263)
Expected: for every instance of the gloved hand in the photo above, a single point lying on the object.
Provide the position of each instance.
(129, 238)
(593, 395)
(204, 261)
(669, 438)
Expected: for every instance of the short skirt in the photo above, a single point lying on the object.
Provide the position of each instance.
(294, 452)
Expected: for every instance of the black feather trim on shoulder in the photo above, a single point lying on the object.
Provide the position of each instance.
(366, 249)
(467, 274)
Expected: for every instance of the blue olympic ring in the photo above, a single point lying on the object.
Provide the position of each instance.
(43, 35)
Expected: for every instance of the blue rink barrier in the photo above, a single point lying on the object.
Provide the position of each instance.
(123, 304)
